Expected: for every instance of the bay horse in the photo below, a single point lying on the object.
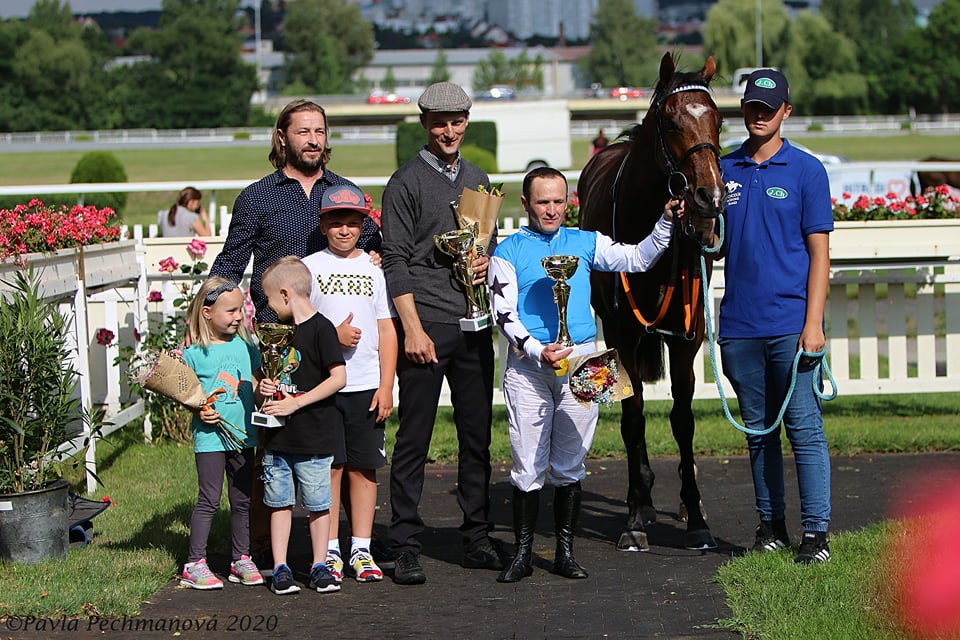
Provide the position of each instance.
(623, 190)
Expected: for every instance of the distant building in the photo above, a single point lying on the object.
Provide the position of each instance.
(412, 67)
(548, 18)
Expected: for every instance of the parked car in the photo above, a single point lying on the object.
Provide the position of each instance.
(384, 97)
(626, 93)
(498, 92)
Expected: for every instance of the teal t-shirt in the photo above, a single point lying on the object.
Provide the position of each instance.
(226, 367)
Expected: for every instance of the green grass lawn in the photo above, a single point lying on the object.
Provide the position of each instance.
(354, 161)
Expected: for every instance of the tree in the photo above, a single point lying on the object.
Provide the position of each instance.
(439, 72)
(624, 51)
(927, 68)
(519, 72)
(49, 78)
(389, 82)
(877, 28)
(730, 34)
(326, 42)
(823, 69)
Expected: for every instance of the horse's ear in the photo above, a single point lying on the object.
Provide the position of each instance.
(666, 69)
(709, 69)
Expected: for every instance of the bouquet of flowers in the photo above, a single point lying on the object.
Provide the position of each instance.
(166, 373)
(599, 377)
(479, 210)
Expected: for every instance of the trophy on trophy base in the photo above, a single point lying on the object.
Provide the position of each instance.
(274, 339)
(560, 269)
(459, 244)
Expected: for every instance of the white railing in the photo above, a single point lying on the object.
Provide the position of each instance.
(892, 327)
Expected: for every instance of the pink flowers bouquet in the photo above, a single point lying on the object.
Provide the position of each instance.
(599, 377)
(36, 227)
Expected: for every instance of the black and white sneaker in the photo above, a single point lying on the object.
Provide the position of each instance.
(771, 536)
(813, 548)
(282, 582)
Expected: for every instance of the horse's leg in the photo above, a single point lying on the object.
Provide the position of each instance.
(633, 430)
(683, 425)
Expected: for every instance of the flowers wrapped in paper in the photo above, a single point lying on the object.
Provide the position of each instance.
(478, 211)
(166, 373)
(599, 377)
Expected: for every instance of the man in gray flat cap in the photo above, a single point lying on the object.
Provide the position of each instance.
(429, 301)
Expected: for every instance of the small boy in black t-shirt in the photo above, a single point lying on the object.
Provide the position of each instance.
(300, 452)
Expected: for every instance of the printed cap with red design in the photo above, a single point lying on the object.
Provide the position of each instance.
(344, 197)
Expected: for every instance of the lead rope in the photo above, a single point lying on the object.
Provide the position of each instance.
(819, 370)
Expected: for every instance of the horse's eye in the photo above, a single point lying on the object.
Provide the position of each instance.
(672, 126)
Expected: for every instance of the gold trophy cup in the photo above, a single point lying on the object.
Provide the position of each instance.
(274, 339)
(459, 244)
(560, 269)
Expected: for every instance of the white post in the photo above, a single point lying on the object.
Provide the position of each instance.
(86, 401)
(112, 351)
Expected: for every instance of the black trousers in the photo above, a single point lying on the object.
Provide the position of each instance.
(466, 360)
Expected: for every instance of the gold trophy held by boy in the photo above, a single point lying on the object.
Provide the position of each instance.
(274, 339)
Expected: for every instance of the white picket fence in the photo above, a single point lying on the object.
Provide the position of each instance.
(893, 317)
(893, 320)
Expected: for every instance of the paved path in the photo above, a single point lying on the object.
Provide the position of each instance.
(664, 593)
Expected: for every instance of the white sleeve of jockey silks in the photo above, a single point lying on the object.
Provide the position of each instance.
(502, 280)
(632, 258)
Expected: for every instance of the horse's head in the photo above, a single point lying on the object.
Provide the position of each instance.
(688, 140)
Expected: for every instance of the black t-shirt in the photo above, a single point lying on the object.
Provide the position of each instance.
(316, 429)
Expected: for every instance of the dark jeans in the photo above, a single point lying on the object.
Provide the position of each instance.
(466, 360)
(211, 466)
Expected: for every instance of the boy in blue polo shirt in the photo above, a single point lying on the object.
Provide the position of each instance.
(778, 220)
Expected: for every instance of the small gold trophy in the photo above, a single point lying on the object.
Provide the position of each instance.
(561, 269)
(274, 339)
(459, 244)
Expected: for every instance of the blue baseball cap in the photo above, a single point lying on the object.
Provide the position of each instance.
(768, 86)
(343, 197)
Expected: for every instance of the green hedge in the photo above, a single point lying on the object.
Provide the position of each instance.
(411, 137)
(101, 166)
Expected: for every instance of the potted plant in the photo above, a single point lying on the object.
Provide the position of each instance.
(38, 404)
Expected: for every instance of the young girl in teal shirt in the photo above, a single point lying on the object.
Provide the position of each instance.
(224, 360)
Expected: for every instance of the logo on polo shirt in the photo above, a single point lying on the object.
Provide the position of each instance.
(778, 193)
(733, 192)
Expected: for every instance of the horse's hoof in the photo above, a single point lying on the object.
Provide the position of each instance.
(699, 539)
(633, 541)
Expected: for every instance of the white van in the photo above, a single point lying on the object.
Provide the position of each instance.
(529, 133)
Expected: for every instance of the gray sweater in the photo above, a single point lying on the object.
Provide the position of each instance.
(416, 207)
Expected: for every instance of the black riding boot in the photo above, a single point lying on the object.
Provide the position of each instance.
(525, 507)
(566, 512)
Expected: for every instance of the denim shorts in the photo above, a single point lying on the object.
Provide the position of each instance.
(284, 472)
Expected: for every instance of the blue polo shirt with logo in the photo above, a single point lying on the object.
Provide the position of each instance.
(771, 208)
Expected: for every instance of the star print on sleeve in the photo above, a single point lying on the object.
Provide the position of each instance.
(497, 287)
(522, 341)
(503, 319)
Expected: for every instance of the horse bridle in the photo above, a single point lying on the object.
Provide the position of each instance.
(673, 165)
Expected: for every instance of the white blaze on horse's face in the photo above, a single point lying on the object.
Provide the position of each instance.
(697, 110)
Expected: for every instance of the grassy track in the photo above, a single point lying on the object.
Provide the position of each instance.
(250, 163)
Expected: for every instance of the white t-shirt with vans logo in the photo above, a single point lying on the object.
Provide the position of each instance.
(342, 286)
